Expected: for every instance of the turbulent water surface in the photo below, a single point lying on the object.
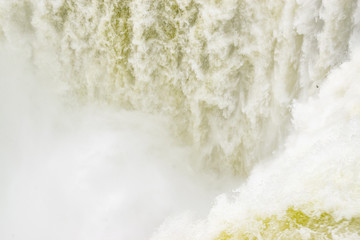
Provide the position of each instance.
(179, 119)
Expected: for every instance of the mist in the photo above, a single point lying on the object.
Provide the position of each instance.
(71, 171)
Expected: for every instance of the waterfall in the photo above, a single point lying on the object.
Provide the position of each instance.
(257, 96)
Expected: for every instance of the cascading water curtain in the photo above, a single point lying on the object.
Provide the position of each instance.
(268, 91)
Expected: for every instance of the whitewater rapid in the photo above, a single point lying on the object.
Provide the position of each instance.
(117, 116)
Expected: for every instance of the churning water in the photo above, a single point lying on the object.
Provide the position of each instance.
(179, 119)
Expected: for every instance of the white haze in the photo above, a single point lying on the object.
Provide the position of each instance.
(94, 172)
